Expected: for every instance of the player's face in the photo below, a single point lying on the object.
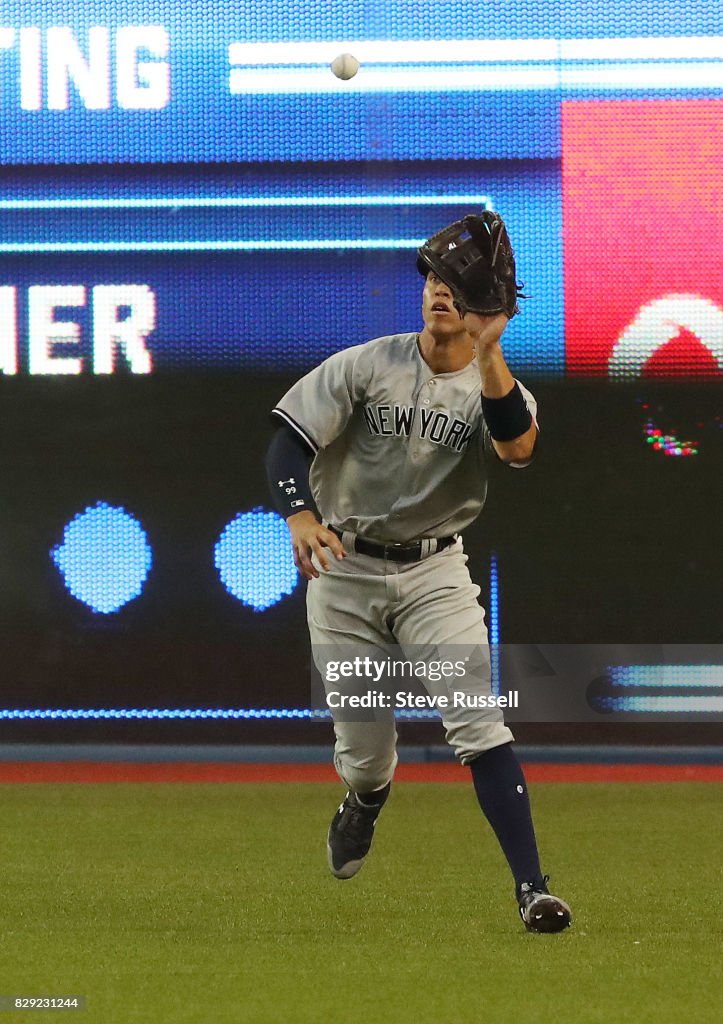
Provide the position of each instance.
(438, 310)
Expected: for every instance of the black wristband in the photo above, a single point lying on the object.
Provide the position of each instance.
(507, 417)
(287, 470)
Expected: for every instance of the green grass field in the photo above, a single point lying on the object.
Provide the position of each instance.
(196, 903)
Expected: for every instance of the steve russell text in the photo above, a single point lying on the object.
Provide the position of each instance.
(407, 699)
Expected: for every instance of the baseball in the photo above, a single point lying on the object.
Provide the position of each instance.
(345, 66)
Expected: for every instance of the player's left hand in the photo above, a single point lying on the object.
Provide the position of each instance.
(485, 330)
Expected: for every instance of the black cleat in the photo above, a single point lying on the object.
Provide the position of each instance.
(540, 910)
(351, 832)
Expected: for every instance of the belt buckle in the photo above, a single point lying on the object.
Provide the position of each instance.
(407, 549)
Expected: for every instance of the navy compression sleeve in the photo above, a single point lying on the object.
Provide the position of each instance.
(287, 469)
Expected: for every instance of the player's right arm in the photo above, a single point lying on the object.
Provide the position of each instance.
(312, 414)
(287, 469)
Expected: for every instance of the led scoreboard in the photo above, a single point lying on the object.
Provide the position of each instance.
(200, 153)
(194, 211)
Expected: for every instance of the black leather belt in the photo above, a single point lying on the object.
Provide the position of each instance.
(395, 552)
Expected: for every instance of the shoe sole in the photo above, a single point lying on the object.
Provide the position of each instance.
(550, 915)
(347, 870)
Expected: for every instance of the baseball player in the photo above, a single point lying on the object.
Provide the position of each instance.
(378, 464)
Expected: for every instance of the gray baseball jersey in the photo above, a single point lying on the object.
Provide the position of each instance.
(400, 450)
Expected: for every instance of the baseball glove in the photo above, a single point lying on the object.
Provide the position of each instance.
(475, 260)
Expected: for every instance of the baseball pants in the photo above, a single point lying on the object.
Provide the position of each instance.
(427, 607)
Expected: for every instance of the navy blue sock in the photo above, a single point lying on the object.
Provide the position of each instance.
(502, 793)
(377, 798)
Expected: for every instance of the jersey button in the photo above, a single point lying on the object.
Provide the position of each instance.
(426, 401)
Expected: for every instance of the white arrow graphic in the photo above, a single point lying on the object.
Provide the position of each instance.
(661, 320)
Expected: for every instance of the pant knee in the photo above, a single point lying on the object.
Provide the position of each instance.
(365, 775)
(470, 741)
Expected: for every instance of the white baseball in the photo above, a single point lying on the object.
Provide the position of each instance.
(345, 66)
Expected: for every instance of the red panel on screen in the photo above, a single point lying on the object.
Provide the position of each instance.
(643, 236)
